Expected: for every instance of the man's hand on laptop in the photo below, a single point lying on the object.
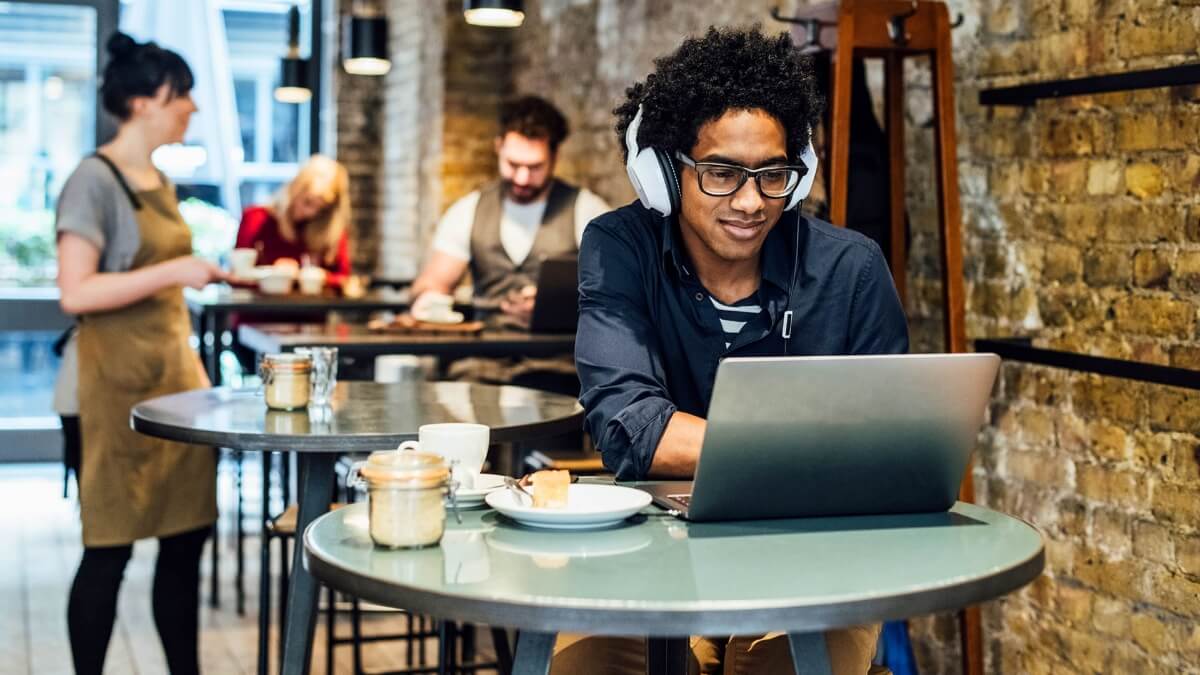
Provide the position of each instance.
(519, 305)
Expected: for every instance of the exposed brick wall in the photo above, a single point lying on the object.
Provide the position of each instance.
(477, 68)
(420, 137)
(360, 130)
(1080, 228)
(411, 134)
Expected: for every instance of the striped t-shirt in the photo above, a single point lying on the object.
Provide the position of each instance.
(735, 317)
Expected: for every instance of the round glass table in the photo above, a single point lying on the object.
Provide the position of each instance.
(363, 416)
(659, 576)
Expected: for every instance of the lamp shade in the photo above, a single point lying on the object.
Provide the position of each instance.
(364, 45)
(293, 81)
(293, 70)
(494, 13)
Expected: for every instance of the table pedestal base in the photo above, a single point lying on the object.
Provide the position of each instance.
(316, 487)
(810, 656)
(533, 653)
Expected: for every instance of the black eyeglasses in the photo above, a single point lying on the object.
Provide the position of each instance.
(721, 180)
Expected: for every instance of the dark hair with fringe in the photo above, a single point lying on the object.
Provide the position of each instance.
(534, 117)
(726, 69)
(139, 69)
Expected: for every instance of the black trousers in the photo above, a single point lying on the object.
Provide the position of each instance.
(92, 608)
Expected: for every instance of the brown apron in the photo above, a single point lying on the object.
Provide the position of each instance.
(134, 486)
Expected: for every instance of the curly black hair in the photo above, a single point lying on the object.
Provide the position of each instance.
(728, 68)
(534, 117)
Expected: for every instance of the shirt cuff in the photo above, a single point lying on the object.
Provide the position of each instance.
(633, 437)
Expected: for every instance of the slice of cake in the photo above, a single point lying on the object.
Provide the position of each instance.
(550, 489)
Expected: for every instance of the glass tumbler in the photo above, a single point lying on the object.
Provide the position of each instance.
(324, 373)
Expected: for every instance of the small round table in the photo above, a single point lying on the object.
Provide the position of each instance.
(363, 416)
(656, 575)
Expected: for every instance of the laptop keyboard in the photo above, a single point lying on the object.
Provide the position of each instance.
(686, 500)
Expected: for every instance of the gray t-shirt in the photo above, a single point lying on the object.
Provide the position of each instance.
(94, 206)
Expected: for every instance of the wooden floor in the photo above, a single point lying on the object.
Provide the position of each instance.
(40, 549)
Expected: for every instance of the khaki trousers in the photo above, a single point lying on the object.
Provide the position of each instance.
(850, 653)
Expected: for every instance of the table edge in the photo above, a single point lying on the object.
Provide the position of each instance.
(597, 619)
(263, 442)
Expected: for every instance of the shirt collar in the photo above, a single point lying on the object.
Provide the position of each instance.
(777, 255)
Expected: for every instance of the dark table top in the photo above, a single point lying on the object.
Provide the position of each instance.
(218, 297)
(357, 339)
(363, 416)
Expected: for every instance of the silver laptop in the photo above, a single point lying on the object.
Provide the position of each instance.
(802, 436)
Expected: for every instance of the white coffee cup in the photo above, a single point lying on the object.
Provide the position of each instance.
(461, 444)
(241, 261)
(312, 280)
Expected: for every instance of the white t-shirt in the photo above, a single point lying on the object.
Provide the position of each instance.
(518, 224)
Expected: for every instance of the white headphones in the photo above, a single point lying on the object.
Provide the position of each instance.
(656, 180)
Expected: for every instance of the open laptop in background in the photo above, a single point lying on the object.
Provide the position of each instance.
(802, 436)
(556, 309)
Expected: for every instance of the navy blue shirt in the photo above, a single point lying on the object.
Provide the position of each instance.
(650, 339)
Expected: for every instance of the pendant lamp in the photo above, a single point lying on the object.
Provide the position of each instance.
(365, 44)
(494, 13)
(293, 70)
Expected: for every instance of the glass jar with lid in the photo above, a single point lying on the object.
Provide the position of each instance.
(405, 497)
(286, 380)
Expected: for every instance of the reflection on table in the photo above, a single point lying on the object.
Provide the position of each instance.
(358, 340)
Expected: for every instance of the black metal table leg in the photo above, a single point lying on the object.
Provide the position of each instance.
(240, 534)
(534, 651)
(500, 644)
(213, 368)
(810, 654)
(217, 325)
(214, 590)
(668, 656)
(264, 573)
(316, 487)
(445, 663)
(467, 641)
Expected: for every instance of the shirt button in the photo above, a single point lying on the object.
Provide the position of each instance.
(699, 297)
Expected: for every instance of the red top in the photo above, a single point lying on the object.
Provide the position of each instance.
(260, 230)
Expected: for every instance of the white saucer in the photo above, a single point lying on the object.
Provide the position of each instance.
(588, 506)
(485, 484)
(449, 318)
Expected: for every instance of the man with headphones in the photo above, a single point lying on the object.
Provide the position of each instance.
(715, 260)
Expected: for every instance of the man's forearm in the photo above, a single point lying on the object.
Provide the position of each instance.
(679, 447)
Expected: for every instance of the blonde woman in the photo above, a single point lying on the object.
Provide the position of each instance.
(309, 216)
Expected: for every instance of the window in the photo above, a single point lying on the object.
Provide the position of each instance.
(274, 135)
(47, 123)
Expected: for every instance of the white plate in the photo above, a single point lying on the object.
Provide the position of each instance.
(485, 483)
(449, 318)
(588, 506)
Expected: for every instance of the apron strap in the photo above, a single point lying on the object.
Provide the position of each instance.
(133, 199)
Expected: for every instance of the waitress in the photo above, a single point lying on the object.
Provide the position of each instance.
(124, 254)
